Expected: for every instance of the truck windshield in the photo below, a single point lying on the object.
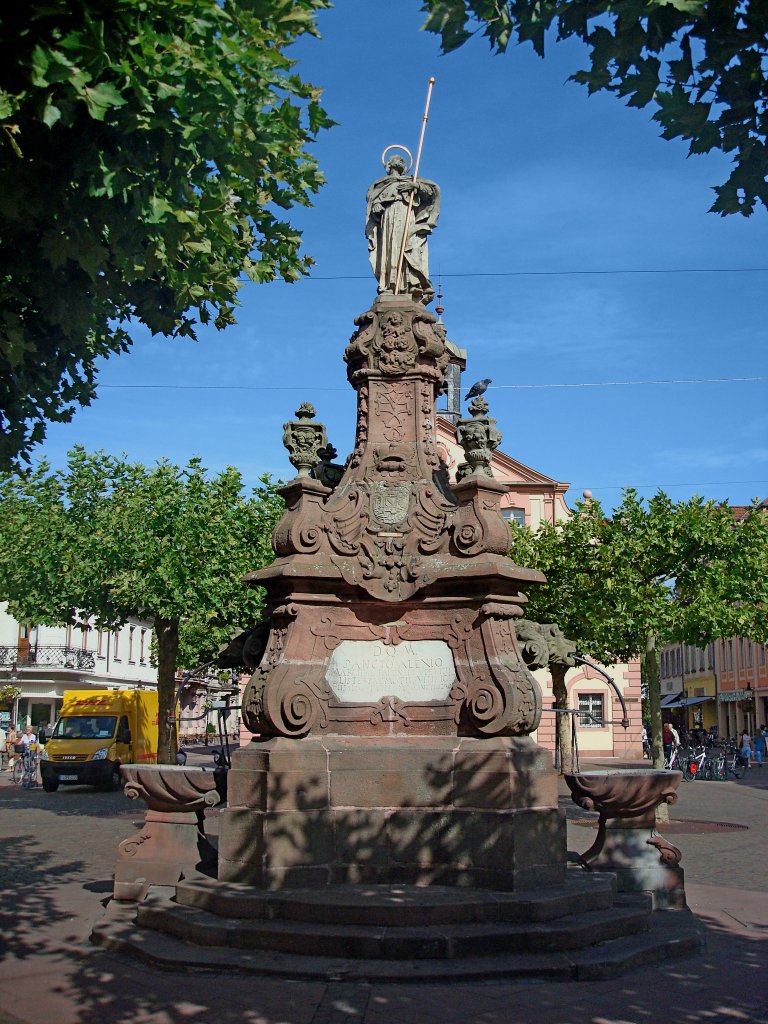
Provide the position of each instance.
(85, 727)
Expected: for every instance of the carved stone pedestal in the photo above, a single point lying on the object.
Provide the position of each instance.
(389, 692)
(627, 843)
(642, 861)
(170, 846)
(422, 810)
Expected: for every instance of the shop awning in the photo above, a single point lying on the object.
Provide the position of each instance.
(687, 701)
(671, 699)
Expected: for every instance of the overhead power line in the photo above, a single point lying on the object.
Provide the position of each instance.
(553, 273)
(698, 483)
(493, 387)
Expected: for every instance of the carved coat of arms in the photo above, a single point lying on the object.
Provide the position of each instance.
(389, 502)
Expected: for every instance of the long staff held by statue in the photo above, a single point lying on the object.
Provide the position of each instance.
(413, 190)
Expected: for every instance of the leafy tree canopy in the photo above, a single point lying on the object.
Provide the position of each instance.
(113, 539)
(653, 573)
(680, 571)
(701, 63)
(148, 150)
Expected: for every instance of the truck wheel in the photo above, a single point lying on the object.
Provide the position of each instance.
(50, 785)
(116, 780)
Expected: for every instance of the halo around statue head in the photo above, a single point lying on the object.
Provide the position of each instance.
(403, 149)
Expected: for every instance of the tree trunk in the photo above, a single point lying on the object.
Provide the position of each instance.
(651, 666)
(167, 633)
(558, 672)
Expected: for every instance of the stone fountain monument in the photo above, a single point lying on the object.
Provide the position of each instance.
(391, 816)
(391, 706)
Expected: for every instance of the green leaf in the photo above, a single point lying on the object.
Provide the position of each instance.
(101, 98)
(51, 114)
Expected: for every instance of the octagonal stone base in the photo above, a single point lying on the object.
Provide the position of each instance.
(419, 810)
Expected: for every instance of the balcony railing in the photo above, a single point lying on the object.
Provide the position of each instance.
(52, 657)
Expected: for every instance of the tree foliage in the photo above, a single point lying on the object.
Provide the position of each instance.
(113, 539)
(701, 64)
(149, 150)
(652, 573)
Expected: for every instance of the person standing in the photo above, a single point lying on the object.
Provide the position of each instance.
(670, 739)
(27, 738)
(10, 742)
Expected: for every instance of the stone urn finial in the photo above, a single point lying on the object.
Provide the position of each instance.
(479, 437)
(304, 440)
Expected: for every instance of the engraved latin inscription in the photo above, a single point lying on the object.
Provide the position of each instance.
(364, 671)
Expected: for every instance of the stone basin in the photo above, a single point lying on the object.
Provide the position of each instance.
(631, 795)
(172, 788)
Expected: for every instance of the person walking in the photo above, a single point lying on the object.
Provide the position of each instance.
(759, 746)
(745, 748)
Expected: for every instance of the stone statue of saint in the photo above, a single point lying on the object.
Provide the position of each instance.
(387, 217)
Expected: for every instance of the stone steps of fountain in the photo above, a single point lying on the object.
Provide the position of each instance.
(399, 905)
(671, 934)
(629, 915)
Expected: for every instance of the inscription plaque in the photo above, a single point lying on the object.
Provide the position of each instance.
(364, 671)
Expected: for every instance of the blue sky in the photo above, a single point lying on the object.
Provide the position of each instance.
(541, 184)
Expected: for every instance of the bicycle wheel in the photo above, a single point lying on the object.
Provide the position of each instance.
(716, 769)
(18, 771)
(738, 768)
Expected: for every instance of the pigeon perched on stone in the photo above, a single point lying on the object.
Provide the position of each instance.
(477, 389)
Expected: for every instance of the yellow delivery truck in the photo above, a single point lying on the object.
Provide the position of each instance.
(97, 731)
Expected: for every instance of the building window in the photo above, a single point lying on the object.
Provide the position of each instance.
(730, 655)
(100, 643)
(591, 704)
(762, 654)
(749, 653)
(514, 515)
(702, 659)
(116, 645)
(131, 630)
(142, 653)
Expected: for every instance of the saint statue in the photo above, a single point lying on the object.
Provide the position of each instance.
(388, 216)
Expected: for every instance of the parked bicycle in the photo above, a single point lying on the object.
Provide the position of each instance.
(25, 766)
(675, 760)
(694, 763)
(723, 761)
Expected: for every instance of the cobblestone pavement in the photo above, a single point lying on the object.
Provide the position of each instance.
(58, 853)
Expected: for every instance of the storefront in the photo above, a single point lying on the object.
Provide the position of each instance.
(736, 712)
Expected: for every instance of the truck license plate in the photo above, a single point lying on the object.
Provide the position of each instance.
(67, 778)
